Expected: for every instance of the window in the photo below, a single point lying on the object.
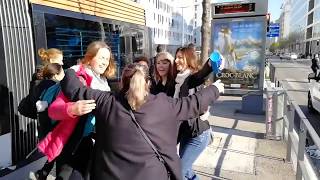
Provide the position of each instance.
(154, 16)
(73, 35)
(195, 7)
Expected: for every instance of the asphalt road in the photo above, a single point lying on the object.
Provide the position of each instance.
(296, 73)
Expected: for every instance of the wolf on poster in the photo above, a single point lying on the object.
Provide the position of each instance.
(240, 44)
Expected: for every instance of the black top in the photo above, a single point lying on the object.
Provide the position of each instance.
(121, 152)
(157, 88)
(314, 63)
(194, 127)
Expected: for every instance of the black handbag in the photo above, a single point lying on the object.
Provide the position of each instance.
(144, 135)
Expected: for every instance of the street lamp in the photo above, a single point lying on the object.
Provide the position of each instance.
(182, 41)
(182, 7)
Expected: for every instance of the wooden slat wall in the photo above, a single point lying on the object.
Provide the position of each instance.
(121, 10)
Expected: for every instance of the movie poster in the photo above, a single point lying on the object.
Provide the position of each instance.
(240, 44)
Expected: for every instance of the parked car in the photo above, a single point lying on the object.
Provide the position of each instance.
(314, 96)
(293, 56)
(285, 56)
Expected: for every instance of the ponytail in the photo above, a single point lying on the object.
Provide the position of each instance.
(137, 90)
(48, 55)
(135, 85)
(43, 54)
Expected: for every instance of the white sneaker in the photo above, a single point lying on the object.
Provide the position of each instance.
(32, 176)
(311, 148)
(315, 154)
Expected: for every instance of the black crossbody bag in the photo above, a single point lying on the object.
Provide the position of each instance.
(144, 135)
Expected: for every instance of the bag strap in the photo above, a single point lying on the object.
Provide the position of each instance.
(146, 137)
(159, 156)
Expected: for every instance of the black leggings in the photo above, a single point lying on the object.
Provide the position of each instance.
(45, 170)
(71, 165)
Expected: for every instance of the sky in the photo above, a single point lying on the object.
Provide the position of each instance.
(274, 9)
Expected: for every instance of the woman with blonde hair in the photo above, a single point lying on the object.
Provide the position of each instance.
(71, 137)
(165, 73)
(136, 131)
(47, 74)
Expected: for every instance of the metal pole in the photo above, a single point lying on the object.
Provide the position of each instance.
(301, 148)
(290, 116)
(284, 112)
(182, 41)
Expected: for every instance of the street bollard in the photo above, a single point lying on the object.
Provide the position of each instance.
(274, 113)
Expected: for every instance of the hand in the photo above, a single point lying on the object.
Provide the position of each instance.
(219, 85)
(82, 107)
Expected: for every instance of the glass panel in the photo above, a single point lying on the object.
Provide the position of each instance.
(70, 35)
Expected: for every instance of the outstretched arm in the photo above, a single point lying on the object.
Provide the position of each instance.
(199, 77)
(75, 90)
(192, 106)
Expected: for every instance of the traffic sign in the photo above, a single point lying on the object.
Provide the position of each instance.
(272, 35)
(274, 30)
(274, 25)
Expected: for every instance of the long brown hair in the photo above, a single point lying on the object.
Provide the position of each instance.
(134, 84)
(92, 51)
(191, 58)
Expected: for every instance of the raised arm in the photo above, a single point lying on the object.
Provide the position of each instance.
(199, 77)
(75, 90)
(192, 106)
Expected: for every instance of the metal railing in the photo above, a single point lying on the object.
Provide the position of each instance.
(295, 129)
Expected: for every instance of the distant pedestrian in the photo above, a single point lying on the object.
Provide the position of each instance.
(315, 64)
(192, 46)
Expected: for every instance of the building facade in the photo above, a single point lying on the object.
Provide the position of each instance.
(313, 27)
(285, 18)
(304, 26)
(295, 31)
(170, 21)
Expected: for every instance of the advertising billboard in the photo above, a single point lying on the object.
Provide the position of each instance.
(241, 43)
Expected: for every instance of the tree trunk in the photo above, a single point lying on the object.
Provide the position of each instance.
(205, 31)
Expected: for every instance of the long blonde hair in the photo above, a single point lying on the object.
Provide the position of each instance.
(135, 84)
(49, 54)
(92, 51)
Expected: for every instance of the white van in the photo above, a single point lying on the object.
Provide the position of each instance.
(314, 96)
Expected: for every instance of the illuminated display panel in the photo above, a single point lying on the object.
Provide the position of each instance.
(234, 8)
